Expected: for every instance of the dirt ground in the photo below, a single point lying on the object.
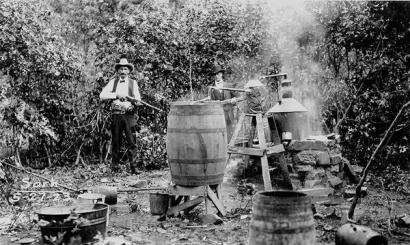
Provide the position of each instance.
(131, 220)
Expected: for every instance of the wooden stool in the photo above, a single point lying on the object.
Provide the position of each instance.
(211, 195)
(263, 150)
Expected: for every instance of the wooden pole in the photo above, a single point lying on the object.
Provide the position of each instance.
(190, 75)
(366, 170)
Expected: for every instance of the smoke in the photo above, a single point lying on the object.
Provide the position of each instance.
(296, 33)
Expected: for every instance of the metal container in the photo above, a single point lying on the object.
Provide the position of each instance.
(350, 234)
(282, 218)
(94, 222)
(286, 136)
(110, 193)
(90, 198)
(158, 203)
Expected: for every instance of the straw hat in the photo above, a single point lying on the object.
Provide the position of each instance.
(254, 83)
(124, 62)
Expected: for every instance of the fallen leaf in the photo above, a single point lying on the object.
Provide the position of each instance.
(244, 217)
(328, 228)
(162, 231)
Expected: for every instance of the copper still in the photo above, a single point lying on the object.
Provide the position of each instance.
(289, 115)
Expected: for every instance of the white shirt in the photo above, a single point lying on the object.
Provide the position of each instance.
(122, 90)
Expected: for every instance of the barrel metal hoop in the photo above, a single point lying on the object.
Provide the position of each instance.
(196, 130)
(94, 222)
(70, 225)
(198, 178)
(197, 161)
(283, 230)
(188, 112)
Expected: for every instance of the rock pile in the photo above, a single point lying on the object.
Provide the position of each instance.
(318, 162)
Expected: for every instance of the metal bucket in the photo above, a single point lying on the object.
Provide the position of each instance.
(282, 218)
(95, 222)
(350, 234)
(109, 192)
(158, 203)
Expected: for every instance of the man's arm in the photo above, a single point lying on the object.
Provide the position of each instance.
(106, 93)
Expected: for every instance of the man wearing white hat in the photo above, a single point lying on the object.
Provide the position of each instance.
(123, 112)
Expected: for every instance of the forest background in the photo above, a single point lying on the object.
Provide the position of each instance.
(349, 61)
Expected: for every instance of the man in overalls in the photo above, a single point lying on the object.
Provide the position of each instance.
(123, 112)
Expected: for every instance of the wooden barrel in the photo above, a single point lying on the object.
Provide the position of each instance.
(282, 218)
(196, 143)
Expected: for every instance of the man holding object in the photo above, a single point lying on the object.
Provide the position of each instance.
(123, 112)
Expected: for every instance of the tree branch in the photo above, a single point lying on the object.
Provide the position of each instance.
(366, 170)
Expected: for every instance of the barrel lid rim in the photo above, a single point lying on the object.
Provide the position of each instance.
(298, 194)
(211, 102)
(43, 210)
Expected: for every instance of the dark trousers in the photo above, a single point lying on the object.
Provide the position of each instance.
(120, 123)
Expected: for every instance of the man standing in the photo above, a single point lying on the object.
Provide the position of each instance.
(218, 93)
(123, 112)
(215, 92)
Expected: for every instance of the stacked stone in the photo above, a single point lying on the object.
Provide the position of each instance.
(316, 163)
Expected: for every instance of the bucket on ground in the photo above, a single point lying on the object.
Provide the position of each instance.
(158, 203)
(282, 218)
(196, 143)
(110, 193)
(93, 219)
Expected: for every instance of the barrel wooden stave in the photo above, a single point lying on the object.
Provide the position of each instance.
(282, 217)
(196, 143)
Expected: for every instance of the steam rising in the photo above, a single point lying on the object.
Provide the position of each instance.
(295, 30)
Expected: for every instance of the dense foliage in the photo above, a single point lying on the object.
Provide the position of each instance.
(56, 56)
(170, 47)
(367, 50)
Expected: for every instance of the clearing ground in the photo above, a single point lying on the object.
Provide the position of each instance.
(130, 219)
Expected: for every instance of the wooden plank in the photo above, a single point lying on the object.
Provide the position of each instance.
(208, 206)
(218, 204)
(266, 129)
(261, 132)
(191, 203)
(265, 173)
(275, 149)
(219, 192)
(237, 130)
(264, 159)
(250, 141)
(246, 151)
(187, 191)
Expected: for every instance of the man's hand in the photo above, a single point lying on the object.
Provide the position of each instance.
(233, 101)
(131, 99)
